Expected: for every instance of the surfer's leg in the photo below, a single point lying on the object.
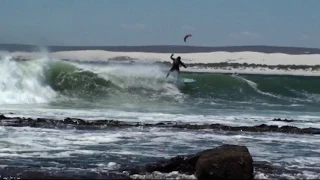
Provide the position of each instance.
(178, 72)
(169, 72)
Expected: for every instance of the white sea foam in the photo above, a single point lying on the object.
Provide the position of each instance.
(303, 175)
(22, 83)
(159, 175)
(113, 145)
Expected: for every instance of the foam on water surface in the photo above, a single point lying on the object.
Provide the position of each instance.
(136, 145)
(139, 93)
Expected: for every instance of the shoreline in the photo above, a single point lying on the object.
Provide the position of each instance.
(164, 48)
(244, 62)
(238, 60)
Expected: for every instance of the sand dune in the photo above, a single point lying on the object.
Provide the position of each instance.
(269, 59)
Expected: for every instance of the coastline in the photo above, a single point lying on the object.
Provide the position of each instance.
(210, 62)
(164, 48)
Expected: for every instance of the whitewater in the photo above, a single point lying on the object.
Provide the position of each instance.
(131, 87)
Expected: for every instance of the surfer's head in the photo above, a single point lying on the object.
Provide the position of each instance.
(178, 58)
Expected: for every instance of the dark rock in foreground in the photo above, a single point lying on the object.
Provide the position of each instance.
(100, 124)
(223, 162)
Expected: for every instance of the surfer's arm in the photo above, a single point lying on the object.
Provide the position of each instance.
(171, 57)
(183, 65)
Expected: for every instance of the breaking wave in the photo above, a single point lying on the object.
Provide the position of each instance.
(44, 81)
(24, 82)
(50, 81)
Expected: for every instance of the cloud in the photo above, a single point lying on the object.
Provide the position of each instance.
(188, 27)
(244, 34)
(133, 26)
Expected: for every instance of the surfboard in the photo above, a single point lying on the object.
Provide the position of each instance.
(181, 81)
(188, 81)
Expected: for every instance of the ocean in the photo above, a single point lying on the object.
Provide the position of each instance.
(139, 92)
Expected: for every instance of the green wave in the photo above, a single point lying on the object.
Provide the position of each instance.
(74, 82)
(263, 88)
(77, 83)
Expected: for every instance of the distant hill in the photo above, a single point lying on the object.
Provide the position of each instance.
(165, 49)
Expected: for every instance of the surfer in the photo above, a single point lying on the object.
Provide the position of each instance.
(176, 64)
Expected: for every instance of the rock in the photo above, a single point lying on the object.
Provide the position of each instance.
(225, 162)
(98, 124)
(182, 164)
(283, 120)
(3, 117)
(28, 173)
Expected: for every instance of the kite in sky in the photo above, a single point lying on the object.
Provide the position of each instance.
(186, 37)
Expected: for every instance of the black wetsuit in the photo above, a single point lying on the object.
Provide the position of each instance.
(176, 65)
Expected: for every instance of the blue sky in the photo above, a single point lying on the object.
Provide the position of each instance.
(161, 22)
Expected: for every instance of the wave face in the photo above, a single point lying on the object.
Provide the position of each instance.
(144, 87)
(262, 88)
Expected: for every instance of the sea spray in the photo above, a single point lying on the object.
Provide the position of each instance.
(22, 82)
(145, 80)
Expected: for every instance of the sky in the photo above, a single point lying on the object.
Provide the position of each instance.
(161, 22)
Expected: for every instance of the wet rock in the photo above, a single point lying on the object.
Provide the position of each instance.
(258, 128)
(68, 121)
(21, 173)
(42, 120)
(283, 120)
(225, 162)
(182, 164)
(98, 124)
(3, 117)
